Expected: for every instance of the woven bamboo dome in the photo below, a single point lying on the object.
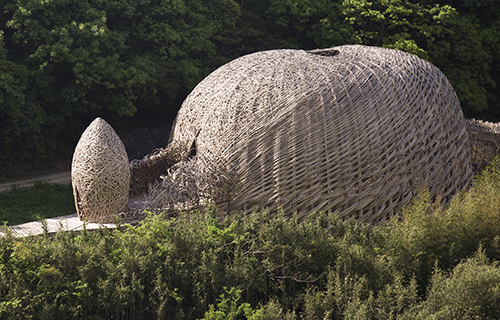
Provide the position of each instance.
(100, 173)
(353, 129)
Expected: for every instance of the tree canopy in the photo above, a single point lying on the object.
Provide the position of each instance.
(64, 62)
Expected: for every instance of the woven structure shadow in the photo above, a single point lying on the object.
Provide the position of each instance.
(485, 142)
(352, 129)
(100, 173)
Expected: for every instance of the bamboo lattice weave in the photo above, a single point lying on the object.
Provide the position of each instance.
(100, 173)
(352, 129)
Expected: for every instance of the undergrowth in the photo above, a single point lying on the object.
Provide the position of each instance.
(431, 263)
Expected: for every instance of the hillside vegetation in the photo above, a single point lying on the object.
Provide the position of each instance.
(64, 62)
(430, 262)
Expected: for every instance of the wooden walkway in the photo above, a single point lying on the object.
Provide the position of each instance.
(68, 223)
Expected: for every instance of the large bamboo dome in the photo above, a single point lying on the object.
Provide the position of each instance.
(353, 129)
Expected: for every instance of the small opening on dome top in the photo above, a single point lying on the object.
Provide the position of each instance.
(325, 52)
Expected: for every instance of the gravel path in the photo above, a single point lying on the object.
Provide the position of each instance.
(59, 178)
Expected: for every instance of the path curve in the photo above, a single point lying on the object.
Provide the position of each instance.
(58, 178)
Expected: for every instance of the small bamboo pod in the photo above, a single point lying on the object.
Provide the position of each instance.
(100, 173)
(353, 129)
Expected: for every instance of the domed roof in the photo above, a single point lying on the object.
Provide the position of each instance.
(352, 129)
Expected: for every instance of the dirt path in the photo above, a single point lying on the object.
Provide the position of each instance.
(59, 178)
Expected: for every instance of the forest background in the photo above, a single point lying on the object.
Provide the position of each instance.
(133, 62)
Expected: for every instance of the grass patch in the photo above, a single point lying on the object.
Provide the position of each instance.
(41, 201)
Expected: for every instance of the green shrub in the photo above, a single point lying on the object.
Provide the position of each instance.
(427, 234)
(229, 308)
(472, 291)
(263, 266)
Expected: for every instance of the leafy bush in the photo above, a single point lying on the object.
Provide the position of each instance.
(472, 291)
(427, 234)
(434, 262)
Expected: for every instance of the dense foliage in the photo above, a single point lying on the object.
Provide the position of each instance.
(432, 263)
(64, 62)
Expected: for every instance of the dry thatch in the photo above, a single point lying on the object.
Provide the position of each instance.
(100, 173)
(190, 184)
(485, 142)
(351, 129)
(148, 170)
